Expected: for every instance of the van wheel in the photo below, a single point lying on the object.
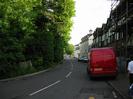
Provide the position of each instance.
(91, 77)
(88, 72)
(114, 77)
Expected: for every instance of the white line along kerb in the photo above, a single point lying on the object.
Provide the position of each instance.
(68, 74)
(44, 88)
(114, 94)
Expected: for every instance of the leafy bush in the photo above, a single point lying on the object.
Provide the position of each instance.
(36, 30)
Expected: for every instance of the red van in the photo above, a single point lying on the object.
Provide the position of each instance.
(102, 62)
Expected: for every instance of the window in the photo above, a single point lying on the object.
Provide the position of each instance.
(94, 41)
(109, 32)
(109, 39)
(97, 40)
(113, 37)
(107, 35)
(105, 43)
(100, 38)
(103, 37)
(122, 35)
(117, 37)
(132, 42)
(99, 44)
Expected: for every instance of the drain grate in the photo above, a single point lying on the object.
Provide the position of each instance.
(104, 92)
(90, 96)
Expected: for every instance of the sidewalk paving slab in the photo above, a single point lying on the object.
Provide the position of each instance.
(121, 84)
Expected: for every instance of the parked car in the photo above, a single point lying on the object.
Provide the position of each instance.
(83, 59)
(102, 62)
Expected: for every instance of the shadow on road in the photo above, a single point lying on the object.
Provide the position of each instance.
(102, 78)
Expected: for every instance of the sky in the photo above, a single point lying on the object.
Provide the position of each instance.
(90, 14)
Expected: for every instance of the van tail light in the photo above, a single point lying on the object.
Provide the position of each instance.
(98, 69)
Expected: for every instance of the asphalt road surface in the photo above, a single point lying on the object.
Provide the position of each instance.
(67, 81)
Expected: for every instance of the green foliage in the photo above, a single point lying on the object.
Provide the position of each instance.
(70, 49)
(35, 30)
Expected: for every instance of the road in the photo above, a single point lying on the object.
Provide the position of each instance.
(67, 81)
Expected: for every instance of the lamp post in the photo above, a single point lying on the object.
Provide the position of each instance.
(89, 39)
(126, 41)
(90, 32)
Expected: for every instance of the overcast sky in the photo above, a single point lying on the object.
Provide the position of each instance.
(90, 14)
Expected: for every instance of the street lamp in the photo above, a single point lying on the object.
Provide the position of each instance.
(90, 31)
(126, 30)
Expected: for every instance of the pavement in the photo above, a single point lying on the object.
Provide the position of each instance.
(121, 85)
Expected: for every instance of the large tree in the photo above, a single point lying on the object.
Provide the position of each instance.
(36, 30)
(70, 49)
(15, 27)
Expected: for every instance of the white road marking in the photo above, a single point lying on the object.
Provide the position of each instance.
(68, 74)
(114, 94)
(44, 88)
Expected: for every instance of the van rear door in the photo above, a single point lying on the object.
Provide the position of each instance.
(103, 60)
(97, 61)
(109, 60)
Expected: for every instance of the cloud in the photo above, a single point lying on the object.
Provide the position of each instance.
(89, 15)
